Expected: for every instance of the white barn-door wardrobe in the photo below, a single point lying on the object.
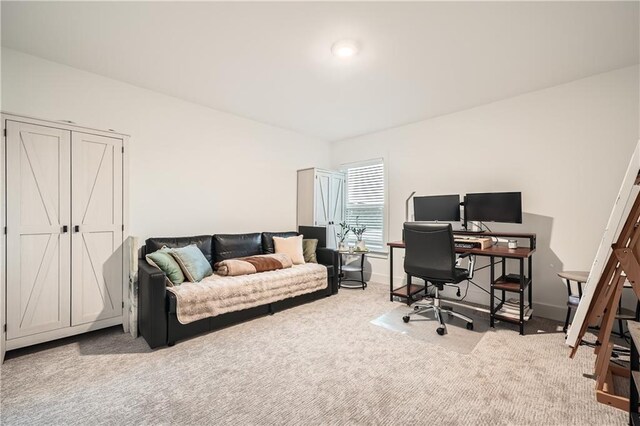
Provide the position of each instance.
(321, 200)
(65, 218)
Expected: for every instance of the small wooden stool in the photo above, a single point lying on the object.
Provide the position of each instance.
(580, 277)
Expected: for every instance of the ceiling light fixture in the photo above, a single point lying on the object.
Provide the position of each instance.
(344, 48)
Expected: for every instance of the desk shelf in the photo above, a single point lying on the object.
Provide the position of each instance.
(503, 284)
(407, 291)
(521, 285)
(512, 320)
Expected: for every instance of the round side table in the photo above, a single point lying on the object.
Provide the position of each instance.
(353, 283)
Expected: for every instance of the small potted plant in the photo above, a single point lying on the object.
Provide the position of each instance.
(342, 236)
(358, 231)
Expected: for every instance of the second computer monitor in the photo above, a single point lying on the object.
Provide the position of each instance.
(444, 208)
(494, 207)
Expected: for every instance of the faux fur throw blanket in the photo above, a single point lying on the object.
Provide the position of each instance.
(216, 295)
(253, 264)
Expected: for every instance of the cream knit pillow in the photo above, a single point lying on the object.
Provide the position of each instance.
(291, 246)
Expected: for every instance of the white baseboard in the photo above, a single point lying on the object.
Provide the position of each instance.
(20, 342)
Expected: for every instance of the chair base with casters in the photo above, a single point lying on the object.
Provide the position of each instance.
(422, 308)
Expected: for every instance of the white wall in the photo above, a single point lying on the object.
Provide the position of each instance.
(566, 148)
(193, 170)
(197, 170)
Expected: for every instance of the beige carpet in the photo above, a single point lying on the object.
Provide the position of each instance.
(321, 363)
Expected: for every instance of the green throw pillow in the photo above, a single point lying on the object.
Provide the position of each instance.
(309, 250)
(193, 263)
(162, 259)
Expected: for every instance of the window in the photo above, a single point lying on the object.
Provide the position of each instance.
(365, 202)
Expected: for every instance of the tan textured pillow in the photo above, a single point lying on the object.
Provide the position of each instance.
(309, 250)
(291, 246)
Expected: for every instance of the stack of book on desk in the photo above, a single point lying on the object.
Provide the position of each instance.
(511, 309)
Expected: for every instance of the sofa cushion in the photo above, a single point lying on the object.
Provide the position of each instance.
(253, 264)
(291, 246)
(203, 242)
(267, 240)
(192, 262)
(309, 250)
(163, 260)
(230, 246)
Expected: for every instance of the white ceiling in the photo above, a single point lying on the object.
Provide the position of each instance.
(271, 61)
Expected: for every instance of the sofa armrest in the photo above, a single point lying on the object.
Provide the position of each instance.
(329, 257)
(152, 304)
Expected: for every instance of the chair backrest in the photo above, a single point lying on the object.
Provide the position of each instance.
(430, 251)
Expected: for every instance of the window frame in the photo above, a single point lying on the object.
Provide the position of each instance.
(384, 251)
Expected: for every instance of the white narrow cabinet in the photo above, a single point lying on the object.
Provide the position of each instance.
(65, 228)
(321, 199)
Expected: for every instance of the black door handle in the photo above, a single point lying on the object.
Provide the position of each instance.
(65, 229)
(76, 228)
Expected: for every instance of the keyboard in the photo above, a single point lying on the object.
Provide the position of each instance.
(464, 245)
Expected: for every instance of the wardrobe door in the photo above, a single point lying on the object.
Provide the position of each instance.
(337, 198)
(322, 198)
(38, 241)
(97, 252)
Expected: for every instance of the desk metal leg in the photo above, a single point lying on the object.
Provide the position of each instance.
(522, 284)
(492, 293)
(391, 274)
(531, 282)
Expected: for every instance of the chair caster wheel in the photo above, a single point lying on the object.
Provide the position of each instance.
(415, 308)
(405, 318)
(440, 331)
(469, 326)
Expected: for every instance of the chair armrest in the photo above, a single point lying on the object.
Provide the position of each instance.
(152, 304)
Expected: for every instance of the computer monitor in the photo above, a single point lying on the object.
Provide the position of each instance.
(445, 208)
(493, 207)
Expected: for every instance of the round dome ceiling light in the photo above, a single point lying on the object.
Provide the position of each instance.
(344, 48)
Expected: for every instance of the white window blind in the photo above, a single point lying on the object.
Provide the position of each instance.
(365, 202)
